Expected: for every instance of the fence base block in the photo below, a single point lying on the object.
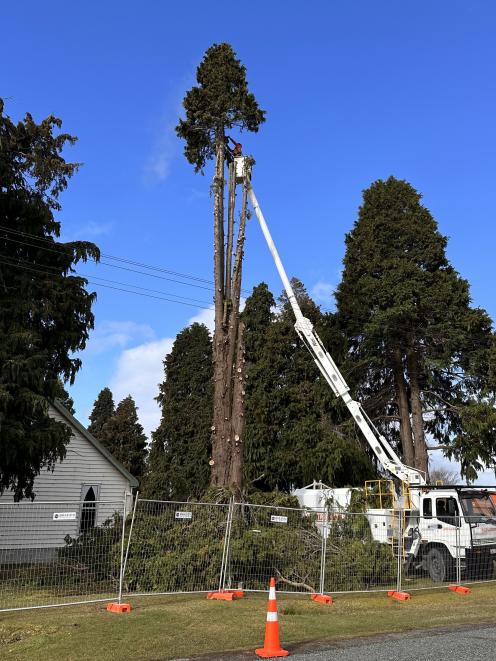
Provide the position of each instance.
(459, 588)
(226, 595)
(321, 598)
(119, 608)
(399, 596)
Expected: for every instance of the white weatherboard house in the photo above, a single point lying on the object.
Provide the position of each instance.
(83, 491)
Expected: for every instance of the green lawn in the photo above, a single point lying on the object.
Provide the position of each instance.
(170, 627)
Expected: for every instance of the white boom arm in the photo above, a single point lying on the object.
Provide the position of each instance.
(379, 445)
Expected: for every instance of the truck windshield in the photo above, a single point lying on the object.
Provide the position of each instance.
(478, 506)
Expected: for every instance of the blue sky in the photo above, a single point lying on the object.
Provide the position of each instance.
(354, 91)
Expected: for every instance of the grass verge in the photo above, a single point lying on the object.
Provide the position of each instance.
(172, 627)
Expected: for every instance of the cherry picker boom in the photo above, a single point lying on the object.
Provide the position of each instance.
(385, 454)
(441, 526)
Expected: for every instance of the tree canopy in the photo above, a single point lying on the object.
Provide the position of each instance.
(180, 450)
(123, 436)
(45, 310)
(219, 101)
(419, 349)
(103, 410)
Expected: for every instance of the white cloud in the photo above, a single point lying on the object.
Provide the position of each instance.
(139, 371)
(206, 317)
(323, 292)
(110, 335)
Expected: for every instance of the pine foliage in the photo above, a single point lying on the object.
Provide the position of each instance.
(180, 450)
(412, 329)
(123, 436)
(45, 310)
(103, 410)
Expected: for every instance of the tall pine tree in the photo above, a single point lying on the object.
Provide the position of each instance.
(420, 350)
(219, 102)
(103, 410)
(123, 436)
(178, 462)
(45, 310)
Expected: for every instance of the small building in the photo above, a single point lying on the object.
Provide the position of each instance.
(83, 491)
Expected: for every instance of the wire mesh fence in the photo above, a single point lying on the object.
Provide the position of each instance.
(52, 553)
(175, 547)
(75, 552)
(267, 541)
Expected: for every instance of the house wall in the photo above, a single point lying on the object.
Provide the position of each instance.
(31, 525)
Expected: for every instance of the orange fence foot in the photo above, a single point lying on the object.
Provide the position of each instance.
(399, 596)
(459, 588)
(226, 595)
(119, 608)
(321, 598)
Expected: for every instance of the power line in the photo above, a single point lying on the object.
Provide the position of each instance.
(116, 258)
(107, 286)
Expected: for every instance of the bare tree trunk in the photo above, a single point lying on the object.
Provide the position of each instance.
(236, 355)
(421, 454)
(403, 409)
(230, 239)
(228, 349)
(238, 414)
(221, 408)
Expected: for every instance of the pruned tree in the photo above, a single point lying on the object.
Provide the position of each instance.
(45, 310)
(420, 352)
(103, 410)
(221, 101)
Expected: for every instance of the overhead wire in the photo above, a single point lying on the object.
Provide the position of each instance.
(124, 288)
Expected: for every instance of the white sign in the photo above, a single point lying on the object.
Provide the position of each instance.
(64, 516)
(184, 515)
(278, 519)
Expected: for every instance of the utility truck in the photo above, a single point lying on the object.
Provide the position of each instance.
(431, 526)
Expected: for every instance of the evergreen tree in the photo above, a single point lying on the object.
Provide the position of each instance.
(45, 311)
(419, 350)
(103, 410)
(65, 399)
(296, 431)
(124, 438)
(178, 462)
(219, 102)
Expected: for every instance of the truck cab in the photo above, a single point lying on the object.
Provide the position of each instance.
(454, 523)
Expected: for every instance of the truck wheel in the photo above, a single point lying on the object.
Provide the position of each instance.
(439, 565)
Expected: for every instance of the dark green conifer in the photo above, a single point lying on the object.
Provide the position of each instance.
(419, 350)
(180, 450)
(45, 310)
(103, 410)
(123, 436)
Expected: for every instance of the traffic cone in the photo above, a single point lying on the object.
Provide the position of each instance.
(272, 644)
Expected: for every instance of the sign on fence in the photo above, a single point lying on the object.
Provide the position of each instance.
(278, 519)
(64, 516)
(184, 515)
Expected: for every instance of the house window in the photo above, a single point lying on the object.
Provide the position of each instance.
(89, 497)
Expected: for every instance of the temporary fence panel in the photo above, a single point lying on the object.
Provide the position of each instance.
(175, 547)
(267, 541)
(478, 548)
(362, 551)
(52, 553)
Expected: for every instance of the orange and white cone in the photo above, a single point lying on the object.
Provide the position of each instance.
(272, 644)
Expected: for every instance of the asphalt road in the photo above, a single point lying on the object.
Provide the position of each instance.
(464, 643)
